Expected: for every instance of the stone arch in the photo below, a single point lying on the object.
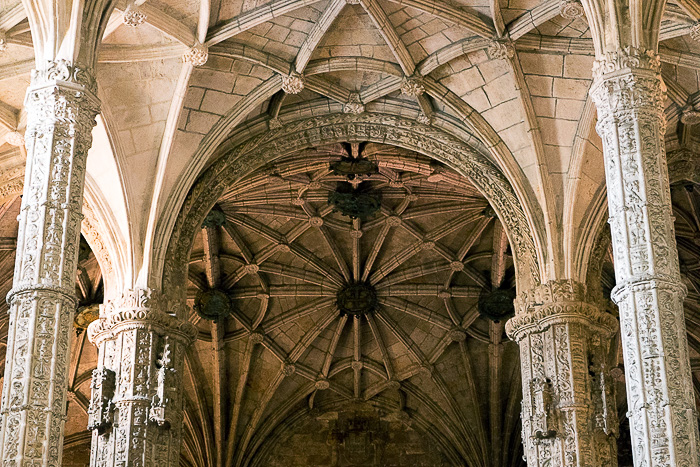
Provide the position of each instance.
(378, 128)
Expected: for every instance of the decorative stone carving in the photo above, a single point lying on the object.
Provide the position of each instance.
(694, 31)
(133, 16)
(501, 49)
(571, 9)
(197, 55)
(629, 94)
(690, 116)
(354, 104)
(274, 123)
(101, 405)
(257, 150)
(567, 412)
(412, 86)
(144, 347)
(14, 138)
(3, 41)
(294, 83)
(424, 119)
(61, 109)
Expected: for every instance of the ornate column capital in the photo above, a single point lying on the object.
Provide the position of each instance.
(140, 308)
(557, 302)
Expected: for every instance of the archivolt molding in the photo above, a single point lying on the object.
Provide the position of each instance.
(378, 128)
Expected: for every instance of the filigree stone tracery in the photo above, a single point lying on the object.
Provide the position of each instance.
(629, 94)
(61, 110)
(141, 346)
(568, 412)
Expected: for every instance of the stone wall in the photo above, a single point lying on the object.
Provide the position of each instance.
(355, 436)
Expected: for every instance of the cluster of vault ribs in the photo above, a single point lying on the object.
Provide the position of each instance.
(357, 198)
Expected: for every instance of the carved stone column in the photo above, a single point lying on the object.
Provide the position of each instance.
(61, 109)
(136, 409)
(568, 410)
(629, 94)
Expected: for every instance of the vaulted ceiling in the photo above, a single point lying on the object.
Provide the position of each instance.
(279, 248)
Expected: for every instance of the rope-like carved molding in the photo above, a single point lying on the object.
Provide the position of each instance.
(378, 128)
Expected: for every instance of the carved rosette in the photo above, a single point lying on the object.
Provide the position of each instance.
(568, 412)
(197, 55)
(133, 16)
(61, 109)
(412, 87)
(139, 342)
(501, 49)
(571, 9)
(629, 94)
(293, 83)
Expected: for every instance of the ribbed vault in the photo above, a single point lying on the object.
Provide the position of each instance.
(423, 353)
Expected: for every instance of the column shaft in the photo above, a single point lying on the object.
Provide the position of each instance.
(61, 110)
(629, 94)
(136, 410)
(568, 410)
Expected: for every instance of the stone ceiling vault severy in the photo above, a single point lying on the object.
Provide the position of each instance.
(460, 134)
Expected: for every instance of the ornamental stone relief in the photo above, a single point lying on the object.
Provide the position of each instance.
(629, 95)
(61, 110)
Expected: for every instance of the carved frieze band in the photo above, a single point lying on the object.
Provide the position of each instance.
(629, 93)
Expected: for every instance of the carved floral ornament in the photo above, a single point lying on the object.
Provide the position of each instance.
(372, 127)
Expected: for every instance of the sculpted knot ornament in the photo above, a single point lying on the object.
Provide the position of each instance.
(133, 16)
(354, 104)
(294, 83)
(695, 31)
(571, 9)
(501, 49)
(197, 55)
(412, 87)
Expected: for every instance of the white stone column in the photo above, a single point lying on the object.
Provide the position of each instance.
(629, 94)
(61, 109)
(569, 416)
(136, 409)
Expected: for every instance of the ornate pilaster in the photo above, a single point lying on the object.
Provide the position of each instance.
(568, 410)
(61, 109)
(136, 411)
(629, 94)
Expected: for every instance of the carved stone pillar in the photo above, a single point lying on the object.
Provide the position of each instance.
(568, 410)
(61, 109)
(629, 94)
(136, 409)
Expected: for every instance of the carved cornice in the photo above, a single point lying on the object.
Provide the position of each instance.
(557, 302)
(139, 309)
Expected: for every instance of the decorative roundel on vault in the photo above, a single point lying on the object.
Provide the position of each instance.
(357, 298)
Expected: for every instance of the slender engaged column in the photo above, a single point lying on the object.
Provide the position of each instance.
(629, 94)
(61, 109)
(136, 409)
(568, 411)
